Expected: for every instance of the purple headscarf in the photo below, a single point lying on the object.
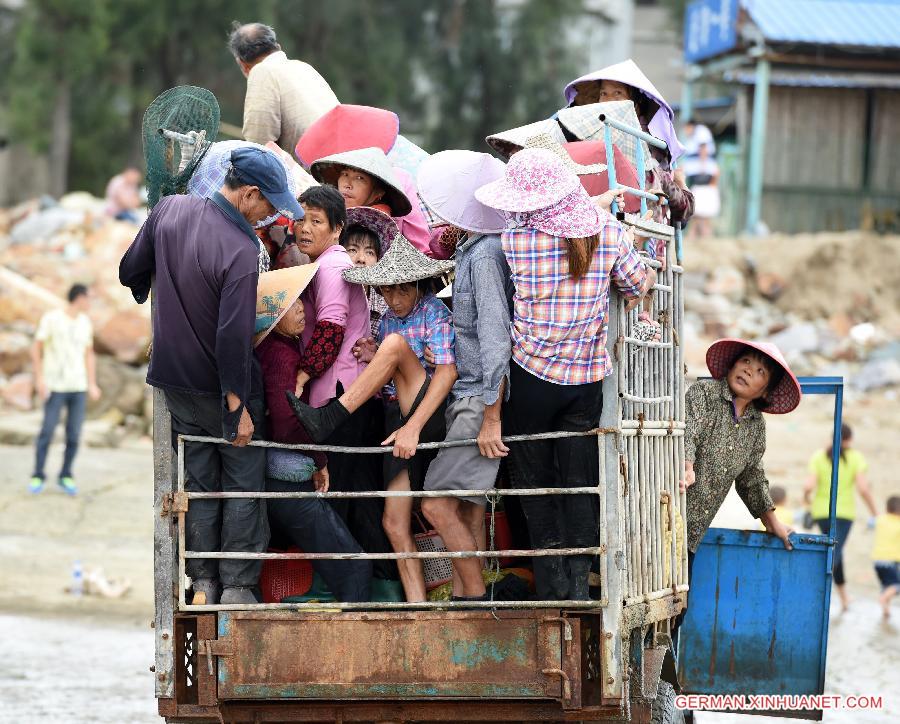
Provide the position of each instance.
(662, 125)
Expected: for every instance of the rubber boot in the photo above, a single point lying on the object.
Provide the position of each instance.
(206, 592)
(237, 594)
(579, 568)
(319, 422)
(550, 579)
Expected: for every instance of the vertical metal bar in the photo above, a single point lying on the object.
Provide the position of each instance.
(163, 550)
(641, 174)
(640, 476)
(181, 533)
(612, 685)
(658, 567)
(602, 486)
(757, 145)
(679, 247)
(678, 329)
(631, 543)
(835, 457)
(610, 163)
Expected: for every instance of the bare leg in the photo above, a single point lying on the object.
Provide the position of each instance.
(885, 600)
(396, 522)
(444, 514)
(394, 360)
(842, 594)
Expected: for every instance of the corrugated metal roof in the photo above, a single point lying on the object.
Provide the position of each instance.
(863, 23)
(807, 79)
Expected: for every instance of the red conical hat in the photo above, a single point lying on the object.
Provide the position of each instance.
(348, 128)
(721, 356)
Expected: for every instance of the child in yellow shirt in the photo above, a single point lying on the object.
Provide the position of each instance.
(886, 553)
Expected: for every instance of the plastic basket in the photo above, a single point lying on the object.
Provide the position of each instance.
(282, 578)
(438, 571)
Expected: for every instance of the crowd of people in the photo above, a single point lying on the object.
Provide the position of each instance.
(301, 295)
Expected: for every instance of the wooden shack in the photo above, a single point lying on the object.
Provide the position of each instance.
(816, 85)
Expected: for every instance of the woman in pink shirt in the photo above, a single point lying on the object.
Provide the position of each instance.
(337, 315)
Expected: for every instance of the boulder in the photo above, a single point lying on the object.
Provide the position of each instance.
(798, 339)
(770, 285)
(18, 392)
(876, 374)
(125, 335)
(15, 352)
(121, 386)
(728, 282)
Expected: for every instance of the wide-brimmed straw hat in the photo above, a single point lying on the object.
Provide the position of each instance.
(584, 123)
(722, 355)
(506, 143)
(447, 184)
(378, 222)
(347, 127)
(372, 161)
(535, 179)
(276, 291)
(401, 264)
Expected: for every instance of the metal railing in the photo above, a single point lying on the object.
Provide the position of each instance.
(492, 497)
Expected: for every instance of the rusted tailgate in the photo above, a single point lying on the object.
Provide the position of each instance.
(398, 655)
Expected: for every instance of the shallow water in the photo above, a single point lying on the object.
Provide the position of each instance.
(75, 670)
(83, 670)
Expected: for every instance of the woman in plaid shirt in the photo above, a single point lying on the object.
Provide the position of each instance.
(563, 253)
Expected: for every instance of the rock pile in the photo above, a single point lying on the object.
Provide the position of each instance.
(831, 302)
(45, 247)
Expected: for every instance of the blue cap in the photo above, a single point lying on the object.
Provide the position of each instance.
(257, 167)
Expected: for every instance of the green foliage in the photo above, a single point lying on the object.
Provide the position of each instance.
(454, 70)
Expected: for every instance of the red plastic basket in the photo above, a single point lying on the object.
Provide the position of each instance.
(282, 578)
(502, 533)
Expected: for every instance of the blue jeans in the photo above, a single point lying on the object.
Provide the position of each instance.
(75, 403)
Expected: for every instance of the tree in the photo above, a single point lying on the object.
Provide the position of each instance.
(57, 48)
(453, 70)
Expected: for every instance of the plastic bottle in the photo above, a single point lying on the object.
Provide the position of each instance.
(77, 588)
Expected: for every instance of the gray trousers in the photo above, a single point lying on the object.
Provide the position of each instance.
(221, 525)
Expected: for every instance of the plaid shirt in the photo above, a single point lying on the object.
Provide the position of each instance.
(559, 325)
(429, 324)
(210, 173)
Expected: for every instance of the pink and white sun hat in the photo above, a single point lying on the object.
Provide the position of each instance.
(722, 355)
(535, 179)
(573, 217)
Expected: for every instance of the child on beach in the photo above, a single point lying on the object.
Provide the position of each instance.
(779, 499)
(886, 553)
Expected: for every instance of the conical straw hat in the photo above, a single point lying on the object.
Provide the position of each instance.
(276, 291)
(372, 161)
(402, 264)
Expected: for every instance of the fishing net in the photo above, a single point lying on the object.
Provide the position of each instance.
(179, 126)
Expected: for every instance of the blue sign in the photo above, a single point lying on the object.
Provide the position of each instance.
(710, 28)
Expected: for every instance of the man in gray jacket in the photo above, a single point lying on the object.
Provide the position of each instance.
(482, 308)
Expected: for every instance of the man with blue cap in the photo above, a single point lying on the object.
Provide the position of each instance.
(204, 256)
